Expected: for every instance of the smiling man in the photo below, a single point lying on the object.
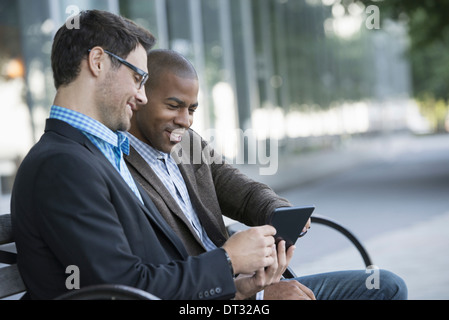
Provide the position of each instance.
(194, 195)
(163, 122)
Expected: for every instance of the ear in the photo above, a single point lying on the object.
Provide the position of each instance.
(96, 61)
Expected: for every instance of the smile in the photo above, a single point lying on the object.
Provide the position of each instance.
(176, 135)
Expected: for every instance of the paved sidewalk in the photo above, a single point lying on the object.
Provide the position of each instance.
(311, 166)
(418, 253)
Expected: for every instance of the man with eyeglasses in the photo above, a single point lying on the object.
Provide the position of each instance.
(74, 202)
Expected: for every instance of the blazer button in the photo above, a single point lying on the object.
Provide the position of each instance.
(200, 295)
(218, 290)
(212, 292)
(206, 294)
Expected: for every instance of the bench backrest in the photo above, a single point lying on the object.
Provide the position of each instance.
(10, 281)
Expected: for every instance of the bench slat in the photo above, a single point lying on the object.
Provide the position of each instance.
(5, 229)
(10, 281)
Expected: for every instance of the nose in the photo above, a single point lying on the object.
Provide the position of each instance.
(183, 118)
(141, 96)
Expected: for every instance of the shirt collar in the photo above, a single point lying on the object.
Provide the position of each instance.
(91, 126)
(149, 153)
(123, 142)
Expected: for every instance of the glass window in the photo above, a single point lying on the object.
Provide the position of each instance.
(213, 49)
(180, 28)
(15, 128)
(144, 13)
(15, 124)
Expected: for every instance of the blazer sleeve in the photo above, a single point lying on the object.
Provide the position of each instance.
(77, 219)
(240, 197)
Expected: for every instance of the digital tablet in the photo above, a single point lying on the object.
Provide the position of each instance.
(289, 222)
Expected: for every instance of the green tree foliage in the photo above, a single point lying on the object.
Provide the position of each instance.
(427, 19)
(428, 28)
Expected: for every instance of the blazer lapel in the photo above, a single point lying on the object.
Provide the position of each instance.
(150, 177)
(148, 206)
(154, 215)
(206, 217)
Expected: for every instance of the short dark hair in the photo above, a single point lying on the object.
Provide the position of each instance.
(96, 28)
(161, 61)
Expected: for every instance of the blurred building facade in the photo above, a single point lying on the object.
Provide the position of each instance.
(273, 69)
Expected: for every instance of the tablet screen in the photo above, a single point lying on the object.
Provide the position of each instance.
(289, 222)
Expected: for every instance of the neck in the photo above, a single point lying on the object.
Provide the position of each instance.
(76, 98)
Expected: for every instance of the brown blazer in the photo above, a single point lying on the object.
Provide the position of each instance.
(215, 189)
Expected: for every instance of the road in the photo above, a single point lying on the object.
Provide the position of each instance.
(396, 201)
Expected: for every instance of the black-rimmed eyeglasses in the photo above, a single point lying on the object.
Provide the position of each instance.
(140, 72)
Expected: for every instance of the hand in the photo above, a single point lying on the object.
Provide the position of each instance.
(306, 227)
(288, 290)
(248, 286)
(252, 249)
(276, 270)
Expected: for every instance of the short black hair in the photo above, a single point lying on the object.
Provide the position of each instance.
(161, 61)
(96, 28)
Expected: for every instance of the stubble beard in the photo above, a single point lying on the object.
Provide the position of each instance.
(113, 114)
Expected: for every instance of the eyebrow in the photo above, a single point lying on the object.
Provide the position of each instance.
(178, 101)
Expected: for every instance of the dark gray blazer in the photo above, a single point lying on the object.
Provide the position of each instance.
(215, 189)
(71, 207)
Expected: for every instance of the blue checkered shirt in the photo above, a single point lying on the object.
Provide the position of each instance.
(111, 144)
(168, 172)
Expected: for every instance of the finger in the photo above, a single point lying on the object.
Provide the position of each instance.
(259, 277)
(272, 270)
(268, 241)
(289, 254)
(284, 259)
(281, 255)
(281, 262)
(269, 260)
(271, 251)
(307, 226)
(268, 230)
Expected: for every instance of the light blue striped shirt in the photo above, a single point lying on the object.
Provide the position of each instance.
(111, 144)
(168, 172)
